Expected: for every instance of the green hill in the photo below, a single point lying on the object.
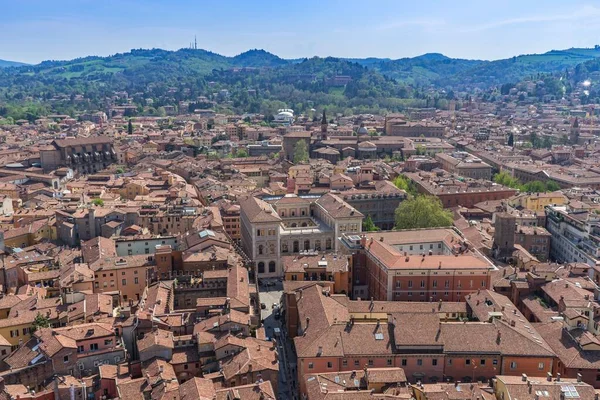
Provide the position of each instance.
(258, 81)
(6, 63)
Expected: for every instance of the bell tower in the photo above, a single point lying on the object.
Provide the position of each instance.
(324, 125)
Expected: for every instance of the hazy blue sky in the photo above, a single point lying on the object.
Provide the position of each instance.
(36, 30)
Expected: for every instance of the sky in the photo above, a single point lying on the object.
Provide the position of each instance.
(35, 30)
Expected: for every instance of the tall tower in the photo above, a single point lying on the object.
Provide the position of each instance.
(504, 234)
(324, 125)
(195, 43)
(575, 131)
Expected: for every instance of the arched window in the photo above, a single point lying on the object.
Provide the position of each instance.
(284, 247)
(261, 267)
(272, 248)
(271, 266)
(296, 246)
(317, 245)
(328, 244)
(294, 225)
(260, 249)
(307, 245)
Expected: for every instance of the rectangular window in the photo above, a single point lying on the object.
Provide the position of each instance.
(482, 362)
(513, 365)
(467, 362)
(136, 280)
(422, 283)
(409, 284)
(434, 362)
(345, 363)
(370, 362)
(80, 349)
(124, 282)
(541, 366)
(356, 363)
(66, 359)
(419, 362)
(94, 346)
(404, 362)
(449, 361)
(311, 365)
(329, 364)
(108, 342)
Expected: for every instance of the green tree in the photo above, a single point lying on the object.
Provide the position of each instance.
(546, 142)
(98, 202)
(504, 178)
(120, 170)
(41, 321)
(129, 128)
(241, 153)
(534, 187)
(511, 140)
(552, 186)
(402, 182)
(368, 225)
(535, 140)
(422, 212)
(300, 152)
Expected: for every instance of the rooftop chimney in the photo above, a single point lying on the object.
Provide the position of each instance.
(558, 377)
(549, 377)
(524, 377)
(578, 377)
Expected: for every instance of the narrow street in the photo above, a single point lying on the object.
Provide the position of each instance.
(270, 295)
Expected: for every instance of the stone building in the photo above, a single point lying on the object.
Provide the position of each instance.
(291, 225)
(85, 155)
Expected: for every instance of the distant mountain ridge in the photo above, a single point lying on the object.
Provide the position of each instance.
(6, 63)
(430, 69)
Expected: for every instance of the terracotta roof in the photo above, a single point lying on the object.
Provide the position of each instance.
(257, 210)
(337, 208)
(158, 337)
(197, 389)
(254, 391)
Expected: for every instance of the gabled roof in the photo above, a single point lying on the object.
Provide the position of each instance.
(257, 210)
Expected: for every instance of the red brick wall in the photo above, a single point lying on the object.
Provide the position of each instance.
(457, 367)
(526, 365)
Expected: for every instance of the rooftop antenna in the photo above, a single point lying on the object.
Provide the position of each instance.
(195, 43)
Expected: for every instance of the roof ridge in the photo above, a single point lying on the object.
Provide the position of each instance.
(547, 348)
